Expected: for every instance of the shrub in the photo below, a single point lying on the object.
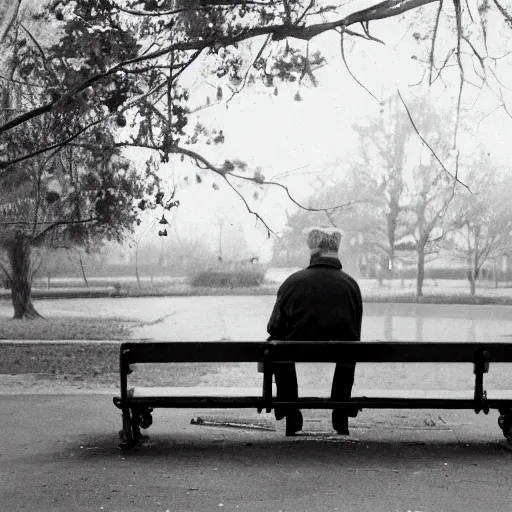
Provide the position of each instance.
(228, 279)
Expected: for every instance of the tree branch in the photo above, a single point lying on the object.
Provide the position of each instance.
(8, 15)
(62, 223)
(366, 36)
(238, 91)
(37, 45)
(71, 138)
(203, 5)
(478, 56)
(285, 188)
(342, 46)
(458, 18)
(252, 212)
(385, 9)
(427, 144)
(5, 271)
(306, 10)
(506, 15)
(434, 37)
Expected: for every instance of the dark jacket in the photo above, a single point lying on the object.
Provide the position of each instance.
(319, 303)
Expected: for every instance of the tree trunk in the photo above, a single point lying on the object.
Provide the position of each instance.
(137, 265)
(472, 284)
(84, 277)
(21, 286)
(472, 272)
(391, 267)
(83, 270)
(421, 272)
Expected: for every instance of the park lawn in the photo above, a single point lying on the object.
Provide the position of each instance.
(89, 362)
(97, 365)
(65, 328)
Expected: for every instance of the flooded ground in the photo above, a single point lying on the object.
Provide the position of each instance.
(245, 318)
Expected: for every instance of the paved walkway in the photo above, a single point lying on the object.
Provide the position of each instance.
(59, 453)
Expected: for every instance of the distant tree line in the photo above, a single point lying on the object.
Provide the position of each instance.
(406, 209)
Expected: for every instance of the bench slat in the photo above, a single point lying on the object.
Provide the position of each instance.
(190, 392)
(197, 352)
(314, 352)
(222, 397)
(400, 352)
(311, 403)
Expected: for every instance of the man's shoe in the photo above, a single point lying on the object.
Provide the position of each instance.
(293, 422)
(340, 422)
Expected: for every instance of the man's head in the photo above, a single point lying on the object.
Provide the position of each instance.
(325, 241)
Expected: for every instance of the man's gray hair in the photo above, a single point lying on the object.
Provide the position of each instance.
(323, 239)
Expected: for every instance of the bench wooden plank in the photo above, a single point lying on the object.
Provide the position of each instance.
(190, 392)
(189, 402)
(197, 352)
(400, 352)
(314, 352)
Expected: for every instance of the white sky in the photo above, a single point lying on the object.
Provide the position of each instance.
(279, 134)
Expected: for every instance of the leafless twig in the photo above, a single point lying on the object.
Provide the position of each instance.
(458, 17)
(342, 46)
(238, 91)
(434, 37)
(427, 144)
(251, 211)
(503, 11)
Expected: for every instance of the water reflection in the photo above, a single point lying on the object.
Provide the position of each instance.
(449, 323)
(419, 328)
(245, 318)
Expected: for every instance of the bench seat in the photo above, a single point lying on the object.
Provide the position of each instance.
(231, 397)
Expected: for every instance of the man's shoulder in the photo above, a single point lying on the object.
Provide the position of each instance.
(308, 273)
(293, 278)
(349, 279)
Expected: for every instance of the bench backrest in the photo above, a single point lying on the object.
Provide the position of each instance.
(307, 351)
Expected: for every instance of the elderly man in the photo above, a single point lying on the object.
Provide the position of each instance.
(319, 303)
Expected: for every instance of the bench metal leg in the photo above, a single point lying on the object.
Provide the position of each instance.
(135, 425)
(126, 434)
(481, 366)
(133, 420)
(145, 417)
(505, 423)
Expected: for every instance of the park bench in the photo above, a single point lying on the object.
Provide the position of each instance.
(137, 407)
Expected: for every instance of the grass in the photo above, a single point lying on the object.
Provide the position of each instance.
(64, 329)
(448, 298)
(98, 364)
(186, 290)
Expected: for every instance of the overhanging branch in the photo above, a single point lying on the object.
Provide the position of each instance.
(58, 223)
(382, 10)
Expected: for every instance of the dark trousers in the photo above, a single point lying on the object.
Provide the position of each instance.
(288, 389)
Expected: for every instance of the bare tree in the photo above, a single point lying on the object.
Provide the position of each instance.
(484, 224)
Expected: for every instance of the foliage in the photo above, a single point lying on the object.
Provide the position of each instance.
(120, 64)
